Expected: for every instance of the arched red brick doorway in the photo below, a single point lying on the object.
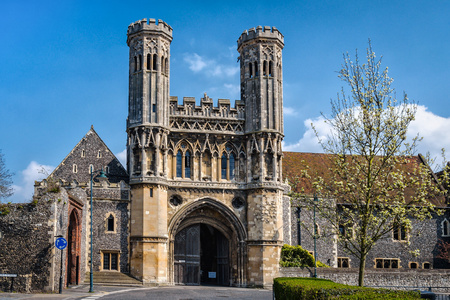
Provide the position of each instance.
(73, 248)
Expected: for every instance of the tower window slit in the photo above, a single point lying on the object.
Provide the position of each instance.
(265, 68)
(154, 62)
(148, 61)
(270, 69)
(140, 62)
(232, 166)
(135, 63)
(187, 165)
(162, 65)
(179, 161)
(224, 166)
(250, 70)
(256, 69)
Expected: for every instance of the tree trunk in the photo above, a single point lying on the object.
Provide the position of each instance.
(362, 268)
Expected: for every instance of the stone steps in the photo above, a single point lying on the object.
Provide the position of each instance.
(112, 278)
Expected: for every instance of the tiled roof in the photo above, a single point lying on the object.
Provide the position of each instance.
(319, 164)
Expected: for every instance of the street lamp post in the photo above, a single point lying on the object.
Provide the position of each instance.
(102, 176)
(315, 237)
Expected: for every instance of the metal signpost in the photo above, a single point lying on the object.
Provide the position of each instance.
(61, 244)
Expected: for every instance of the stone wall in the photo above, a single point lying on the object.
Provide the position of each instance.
(406, 279)
(27, 248)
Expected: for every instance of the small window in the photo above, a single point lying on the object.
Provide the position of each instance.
(265, 68)
(99, 154)
(74, 168)
(387, 263)
(224, 166)
(154, 107)
(270, 69)
(413, 265)
(151, 192)
(250, 70)
(140, 62)
(445, 227)
(345, 231)
(179, 161)
(83, 153)
(343, 262)
(110, 225)
(149, 61)
(135, 63)
(256, 69)
(110, 261)
(400, 233)
(426, 265)
(154, 62)
(107, 170)
(91, 169)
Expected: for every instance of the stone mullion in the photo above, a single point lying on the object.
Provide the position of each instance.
(165, 163)
(157, 158)
(275, 161)
(261, 158)
(174, 166)
(183, 160)
(200, 161)
(249, 163)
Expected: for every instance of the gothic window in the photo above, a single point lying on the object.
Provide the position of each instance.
(445, 227)
(74, 168)
(187, 165)
(256, 69)
(140, 62)
(232, 166)
(270, 69)
(179, 162)
(162, 65)
(400, 233)
(110, 261)
(154, 62)
(250, 70)
(167, 66)
(224, 166)
(265, 68)
(413, 265)
(387, 263)
(343, 262)
(137, 162)
(110, 223)
(135, 63)
(149, 61)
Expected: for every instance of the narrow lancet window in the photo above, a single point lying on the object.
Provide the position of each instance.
(148, 61)
(224, 166)
(187, 165)
(232, 166)
(179, 162)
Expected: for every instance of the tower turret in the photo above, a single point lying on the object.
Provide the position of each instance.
(262, 78)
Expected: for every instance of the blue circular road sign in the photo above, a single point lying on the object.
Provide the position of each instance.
(61, 243)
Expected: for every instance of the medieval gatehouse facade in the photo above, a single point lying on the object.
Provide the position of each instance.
(206, 181)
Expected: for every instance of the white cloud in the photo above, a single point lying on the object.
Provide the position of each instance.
(122, 157)
(233, 89)
(289, 111)
(431, 127)
(23, 191)
(198, 63)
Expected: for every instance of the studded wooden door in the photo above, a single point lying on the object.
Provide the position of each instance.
(187, 256)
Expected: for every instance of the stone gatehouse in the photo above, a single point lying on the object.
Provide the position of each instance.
(203, 198)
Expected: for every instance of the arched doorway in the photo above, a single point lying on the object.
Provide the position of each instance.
(73, 249)
(207, 245)
(201, 256)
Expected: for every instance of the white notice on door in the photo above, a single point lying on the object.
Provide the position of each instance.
(211, 274)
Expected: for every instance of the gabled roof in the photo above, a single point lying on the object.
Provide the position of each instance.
(90, 150)
(319, 164)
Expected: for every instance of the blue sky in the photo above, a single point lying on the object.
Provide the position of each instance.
(64, 66)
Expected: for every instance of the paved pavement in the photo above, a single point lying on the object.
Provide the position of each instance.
(131, 293)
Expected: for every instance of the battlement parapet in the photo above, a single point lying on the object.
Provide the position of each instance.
(151, 26)
(207, 108)
(265, 32)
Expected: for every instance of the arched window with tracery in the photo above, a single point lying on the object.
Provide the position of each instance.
(232, 166)
(224, 166)
(179, 163)
(187, 165)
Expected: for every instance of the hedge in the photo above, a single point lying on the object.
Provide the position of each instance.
(296, 256)
(318, 289)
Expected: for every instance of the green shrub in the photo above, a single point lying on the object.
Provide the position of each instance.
(296, 256)
(318, 289)
(4, 209)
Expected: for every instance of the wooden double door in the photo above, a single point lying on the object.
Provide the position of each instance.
(201, 254)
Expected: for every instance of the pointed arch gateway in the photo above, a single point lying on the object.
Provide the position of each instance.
(207, 245)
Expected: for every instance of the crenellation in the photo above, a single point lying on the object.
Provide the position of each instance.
(207, 108)
(149, 25)
(265, 32)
